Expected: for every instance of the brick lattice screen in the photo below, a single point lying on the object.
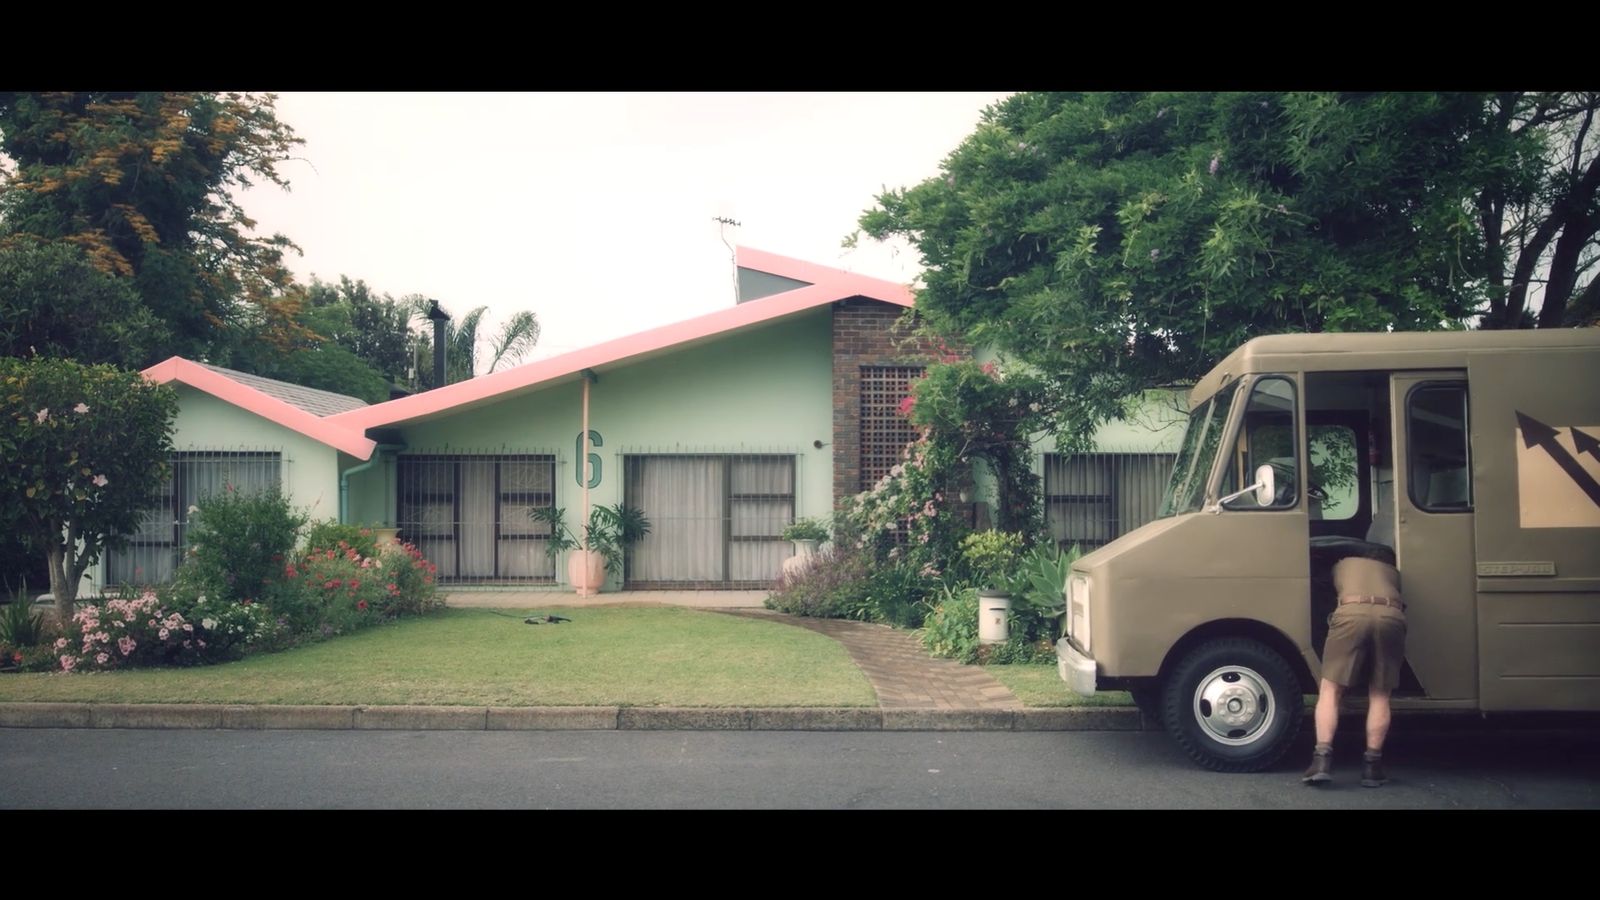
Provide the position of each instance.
(865, 340)
(884, 432)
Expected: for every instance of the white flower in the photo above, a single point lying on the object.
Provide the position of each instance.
(81, 408)
(208, 624)
(42, 415)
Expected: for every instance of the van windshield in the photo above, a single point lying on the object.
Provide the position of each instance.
(1201, 438)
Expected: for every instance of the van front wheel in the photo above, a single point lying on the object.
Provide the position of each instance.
(1233, 704)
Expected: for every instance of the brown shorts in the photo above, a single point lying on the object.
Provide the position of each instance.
(1366, 645)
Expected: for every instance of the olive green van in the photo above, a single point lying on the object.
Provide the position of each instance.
(1473, 456)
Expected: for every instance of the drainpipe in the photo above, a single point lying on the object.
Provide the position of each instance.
(344, 478)
(583, 465)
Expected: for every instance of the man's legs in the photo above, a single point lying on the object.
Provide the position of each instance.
(1372, 774)
(1327, 718)
(1327, 714)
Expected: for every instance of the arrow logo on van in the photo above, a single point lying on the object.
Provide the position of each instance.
(1585, 443)
(1538, 434)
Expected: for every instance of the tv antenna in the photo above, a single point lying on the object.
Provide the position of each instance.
(733, 255)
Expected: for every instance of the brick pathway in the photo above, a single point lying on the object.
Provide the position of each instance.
(902, 673)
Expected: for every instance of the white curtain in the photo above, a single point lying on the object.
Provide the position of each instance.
(713, 518)
(683, 497)
(476, 528)
(524, 485)
(762, 505)
(156, 547)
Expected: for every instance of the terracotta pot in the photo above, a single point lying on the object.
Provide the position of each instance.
(586, 572)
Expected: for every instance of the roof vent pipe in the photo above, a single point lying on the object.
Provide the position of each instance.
(438, 317)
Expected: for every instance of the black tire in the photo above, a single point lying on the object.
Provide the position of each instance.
(1254, 683)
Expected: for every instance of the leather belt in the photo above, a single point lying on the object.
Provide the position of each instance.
(1376, 601)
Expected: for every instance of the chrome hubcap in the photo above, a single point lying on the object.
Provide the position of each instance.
(1233, 704)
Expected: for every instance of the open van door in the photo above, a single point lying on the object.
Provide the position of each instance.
(1536, 488)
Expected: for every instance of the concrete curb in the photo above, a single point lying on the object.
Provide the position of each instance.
(554, 718)
(635, 718)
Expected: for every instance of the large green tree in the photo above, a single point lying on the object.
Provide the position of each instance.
(86, 451)
(53, 302)
(146, 185)
(1121, 241)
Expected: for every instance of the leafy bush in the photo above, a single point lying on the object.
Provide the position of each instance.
(829, 585)
(950, 630)
(238, 544)
(330, 534)
(990, 558)
(20, 626)
(895, 594)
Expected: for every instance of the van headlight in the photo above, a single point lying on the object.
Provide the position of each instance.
(1078, 610)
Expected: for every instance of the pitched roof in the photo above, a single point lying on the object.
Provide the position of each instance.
(263, 396)
(318, 403)
(822, 286)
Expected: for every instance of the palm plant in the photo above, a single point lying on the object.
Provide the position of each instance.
(514, 341)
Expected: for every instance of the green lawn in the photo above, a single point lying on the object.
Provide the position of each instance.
(479, 657)
(1042, 686)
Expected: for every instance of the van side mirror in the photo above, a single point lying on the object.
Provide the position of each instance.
(1265, 488)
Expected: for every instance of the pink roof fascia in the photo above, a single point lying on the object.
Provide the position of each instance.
(323, 430)
(827, 286)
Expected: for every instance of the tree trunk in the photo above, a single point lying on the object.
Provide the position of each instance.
(62, 588)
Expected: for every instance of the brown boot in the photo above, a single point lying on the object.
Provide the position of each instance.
(1321, 771)
(1372, 774)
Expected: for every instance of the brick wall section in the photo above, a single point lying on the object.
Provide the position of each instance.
(863, 335)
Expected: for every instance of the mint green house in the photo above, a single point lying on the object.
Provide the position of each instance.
(722, 429)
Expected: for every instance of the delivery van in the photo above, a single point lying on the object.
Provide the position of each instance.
(1472, 457)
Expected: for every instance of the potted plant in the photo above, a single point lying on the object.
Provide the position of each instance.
(602, 549)
(805, 534)
(991, 559)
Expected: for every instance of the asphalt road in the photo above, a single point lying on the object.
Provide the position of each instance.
(134, 769)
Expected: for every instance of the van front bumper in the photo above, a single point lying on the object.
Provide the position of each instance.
(1076, 669)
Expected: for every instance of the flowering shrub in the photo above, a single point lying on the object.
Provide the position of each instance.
(147, 630)
(238, 543)
(329, 534)
(826, 586)
(413, 584)
(338, 589)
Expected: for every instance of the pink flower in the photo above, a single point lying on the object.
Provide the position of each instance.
(101, 481)
(906, 405)
(102, 658)
(67, 662)
(126, 645)
(42, 415)
(163, 634)
(61, 643)
(1216, 162)
(81, 408)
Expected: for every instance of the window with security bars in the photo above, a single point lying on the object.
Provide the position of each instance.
(716, 520)
(1091, 499)
(470, 514)
(156, 548)
(884, 430)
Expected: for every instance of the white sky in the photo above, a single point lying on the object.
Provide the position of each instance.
(595, 210)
